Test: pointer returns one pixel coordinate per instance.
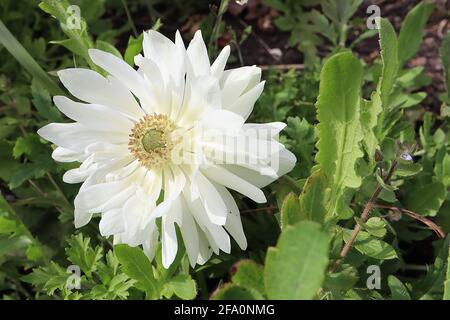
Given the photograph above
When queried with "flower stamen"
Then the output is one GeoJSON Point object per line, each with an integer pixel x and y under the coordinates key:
{"type": "Point", "coordinates": [151, 140]}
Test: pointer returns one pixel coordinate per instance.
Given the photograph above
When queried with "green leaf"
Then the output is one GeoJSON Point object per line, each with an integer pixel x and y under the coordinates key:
{"type": "Point", "coordinates": [371, 246]}
{"type": "Point", "coordinates": [295, 269]}
{"type": "Point", "coordinates": [370, 111]}
{"type": "Point", "coordinates": [412, 31]}
{"type": "Point", "coordinates": [447, 280]}
{"type": "Point", "coordinates": [389, 57]}
{"type": "Point", "coordinates": [407, 169]}
{"type": "Point", "coordinates": [43, 102]}
{"type": "Point", "coordinates": [445, 57]}
{"type": "Point", "coordinates": [290, 211]}
{"type": "Point", "coordinates": [442, 167]}
{"type": "Point", "coordinates": [343, 280]}
{"type": "Point", "coordinates": [182, 286]}
{"type": "Point", "coordinates": [338, 112]}
{"type": "Point", "coordinates": [105, 46]}
{"type": "Point", "coordinates": [51, 278]}
{"type": "Point", "coordinates": [134, 48]}
{"type": "Point", "coordinates": [426, 199]}
{"type": "Point", "coordinates": [249, 274]}
{"type": "Point", "coordinates": [374, 226]}
{"type": "Point", "coordinates": [26, 60]}
{"type": "Point", "coordinates": [231, 291]}
{"type": "Point", "coordinates": [80, 253]}
{"type": "Point", "coordinates": [314, 197]}
{"type": "Point", "coordinates": [79, 40]}
{"type": "Point", "coordinates": [398, 289]}
{"type": "Point", "coordinates": [137, 266]}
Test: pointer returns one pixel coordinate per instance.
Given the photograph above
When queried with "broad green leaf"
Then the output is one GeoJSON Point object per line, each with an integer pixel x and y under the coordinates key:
{"type": "Point", "coordinates": [412, 31]}
{"type": "Point", "coordinates": [426, 199]}
{"type": "Point", "coordinates": [290, 211]}
{"type": "Point", "coordinates": [343, 280]}
{"type": "Point", "coordinates": [314, 197]}
{"type": "Point", "coordinates": [249, 274]}
{"type": "Point", "coordinates": [231, 291]}
{"type": "Point", "coordinates": [371, 246]}
{"type": "Point", "coordinates": [182, 286]}
{"type": "Point", "coordinates": [374, 226]}
{"type": "Point", "coordinates": [340, 133]}
{"type": "Point", "coordinates": [398, 289]}
{"type": "Point", "coordinates": [137, 266]}
{"type": "Point", "coordinates": [295, 268]}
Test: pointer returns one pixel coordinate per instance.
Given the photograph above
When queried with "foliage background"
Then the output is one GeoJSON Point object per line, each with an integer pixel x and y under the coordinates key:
{"type": "Point", "coordinates": [396, 106]}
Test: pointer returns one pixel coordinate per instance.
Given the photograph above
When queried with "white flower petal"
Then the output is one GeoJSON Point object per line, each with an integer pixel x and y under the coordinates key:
{"type": "Point", "coordinates": [123, 72]}
{"type": "Point", "coordinates": [111, 222]}
{"type": "Point", "coordinates": [198, 56]}
{"type": "Point", "coordinates": [168, 241]}
{"type": "Point", "coordinates": [234, 223]}
{"type": "Point", "coordinates": [90, 86]}
{"type": "Point", "coordinates": [151, 242]}
{"type": "Point", "coordinates": [236, 82]}
{"type": "Point", "coordinates": [219, 64]}
{"type": "Point", "coordinates": [212, 201]}
{"type": "Point", "coordinates": [77, 137]}
{"type": "Point", "coordinates": [224, 177]}
{"type": "Point", "coordinates": [66, 155]}
{"type": "Point", "coordinates": [245, 103]}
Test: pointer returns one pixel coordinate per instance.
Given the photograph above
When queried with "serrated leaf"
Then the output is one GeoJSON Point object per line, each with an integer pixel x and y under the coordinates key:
{"type": "Point", "coordinates": [340, 133]}
{"type": "Point", "coordinates": [295, 268]}
{"type": "Point", "coordinates": [412, 31]}
{"type": "Point", "coordinates": [81, 253]}
{"type": "Point", "coordinates": [137, 266]}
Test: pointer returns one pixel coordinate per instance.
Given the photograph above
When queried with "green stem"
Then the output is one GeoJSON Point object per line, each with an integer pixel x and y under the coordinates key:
{"type": "Point", "coordinates": [130, 20]}
{"type": "Point", "coordinates": [26, 60]}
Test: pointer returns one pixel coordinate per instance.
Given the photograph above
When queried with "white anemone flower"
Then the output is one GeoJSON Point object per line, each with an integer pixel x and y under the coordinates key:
{"type": "Point", "coordinates": [159, 144]}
